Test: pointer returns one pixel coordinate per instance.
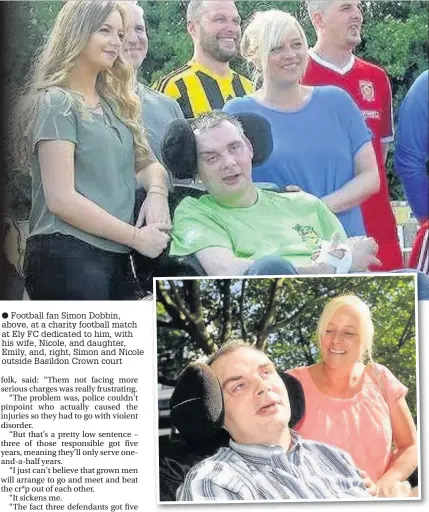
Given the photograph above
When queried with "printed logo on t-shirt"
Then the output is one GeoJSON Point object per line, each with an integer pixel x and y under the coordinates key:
{"type": "Point", "coordinates": [190, 237]}
{"type": "Point", "coordinates": [367, 90]}
{"type": "Point", "coordinates": [371, 114]}
{"type": "Point", "coordinates": [308, 235]}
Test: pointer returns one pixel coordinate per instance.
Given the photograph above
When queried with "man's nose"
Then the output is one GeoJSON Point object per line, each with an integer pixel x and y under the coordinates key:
{"type": "Point", "coordinates": [227, 160]}
{"type": "Point", "coordinates": [357, 14]}
{"type": "Point", "coordinates": [131, 37]}
{"type": "Point", "coordinates": [262, 386]}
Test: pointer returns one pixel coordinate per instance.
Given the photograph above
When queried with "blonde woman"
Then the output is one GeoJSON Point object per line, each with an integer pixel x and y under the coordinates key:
{"type": "Point", "coordinates": [87, 154]}
{"type": "Point", "coordinates": [359, 408]}
{"type": "Point", "coordinates": [321, 141]}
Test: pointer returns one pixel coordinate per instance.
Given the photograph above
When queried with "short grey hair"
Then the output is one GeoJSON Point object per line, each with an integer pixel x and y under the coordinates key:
{"type": "Point", "coordinates": [318, 6]}
{"type": "Point", "coordinates": [213, 119]}
{"type": "Point", "coordinates": [229, 347]}
{"type": "Point", "coordinates": [194, 10]}
{"type": "Point", "coordinates": [127, 3]}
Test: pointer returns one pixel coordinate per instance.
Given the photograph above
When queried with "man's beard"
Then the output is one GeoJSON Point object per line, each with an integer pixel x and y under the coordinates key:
{"type": "Point", "coordinates": [211, 45]}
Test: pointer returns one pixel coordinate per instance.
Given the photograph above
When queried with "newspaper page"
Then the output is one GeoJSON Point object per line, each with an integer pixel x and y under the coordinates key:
{"type": "Point", "coordinates": [77, 407]}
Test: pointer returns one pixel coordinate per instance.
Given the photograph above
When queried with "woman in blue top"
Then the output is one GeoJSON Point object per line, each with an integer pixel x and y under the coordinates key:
{"type": "Point", "coordinates": [83, 141]}
{"type": "Point", "coordinates": [321, 141]}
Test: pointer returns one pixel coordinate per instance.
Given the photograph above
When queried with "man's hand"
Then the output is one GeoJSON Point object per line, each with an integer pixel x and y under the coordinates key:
{"type": "Point", "coordinates": [364, 252]}
{"type": "Point", "coordinates": [151, 240]}
{"type": "Point", "coordinates": [395, 490]}
{"type": "Point", "coordinates": [154, 209]}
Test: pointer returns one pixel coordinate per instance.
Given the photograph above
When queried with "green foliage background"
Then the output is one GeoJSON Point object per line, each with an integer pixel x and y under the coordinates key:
{"type": "Point", "coordinates": [280, 316]}
{"type": "Point", "coordinates": [395, 36]}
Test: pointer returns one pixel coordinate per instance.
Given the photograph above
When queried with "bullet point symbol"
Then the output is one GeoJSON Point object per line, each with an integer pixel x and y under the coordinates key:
{"type": "Point", "coordinates": [5, 315]}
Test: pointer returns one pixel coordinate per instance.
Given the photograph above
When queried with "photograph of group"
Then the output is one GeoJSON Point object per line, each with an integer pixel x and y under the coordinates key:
{"type": "Point", "coordinates": [211, 138]}
{"type": "Point", "coordinates": [290, 388]}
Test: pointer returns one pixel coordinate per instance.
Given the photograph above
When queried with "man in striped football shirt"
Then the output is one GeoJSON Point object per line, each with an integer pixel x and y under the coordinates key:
{"type": "Point", "coordinates": [207, 82]}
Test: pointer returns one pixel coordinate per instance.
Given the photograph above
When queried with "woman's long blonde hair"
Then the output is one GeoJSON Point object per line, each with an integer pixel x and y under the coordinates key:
{"type": "Point", "coordinates": [265, 31]}
{"type": "Point", "coordinates": [75, 24]}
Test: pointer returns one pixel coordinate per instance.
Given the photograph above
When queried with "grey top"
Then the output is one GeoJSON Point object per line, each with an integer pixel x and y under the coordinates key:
{"type": "Point", "coordinates": [157, 111]}
{"type": "Point", "coordinates": [104, 163]}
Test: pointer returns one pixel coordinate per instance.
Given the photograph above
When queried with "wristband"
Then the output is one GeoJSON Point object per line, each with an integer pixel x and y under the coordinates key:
{"type": "Point", "coordinates": [341, 265]}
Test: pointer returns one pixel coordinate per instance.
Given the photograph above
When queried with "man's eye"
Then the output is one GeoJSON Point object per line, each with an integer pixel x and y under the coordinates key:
{"type": "Point", "coordinates": [239, 387]}
{"type": "Point", "coordinates": [235, 147]}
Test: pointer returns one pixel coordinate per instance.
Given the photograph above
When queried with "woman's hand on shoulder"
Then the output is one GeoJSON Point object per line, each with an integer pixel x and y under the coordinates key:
{"type": "Point", "coordinates": [155, 209]}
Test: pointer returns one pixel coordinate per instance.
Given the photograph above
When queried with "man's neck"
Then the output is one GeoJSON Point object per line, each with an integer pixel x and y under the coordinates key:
{"type": "Point", "coordinates": [243, 200]}
{"type": "Point", "coordinates": [283, 439]}
{"type": "Point", "coordinates": [216, 66]}
{"type": "Point", "coordinates": [340, 56]}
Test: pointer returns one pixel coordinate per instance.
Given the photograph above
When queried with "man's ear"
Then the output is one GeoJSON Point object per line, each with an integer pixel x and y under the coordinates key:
{"type": "Point", "coordinates": [191, 26]}
{"type": "Point", "coordinates": [249, 145]}
{"type": "Point", "coordinates": [317, 20]}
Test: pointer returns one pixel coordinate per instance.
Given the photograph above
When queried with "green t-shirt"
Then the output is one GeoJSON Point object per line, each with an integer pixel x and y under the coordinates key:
{"type": "Point", "coordinates": [289, 225]}
{"type": "Point", "coordinates": [103, 158]}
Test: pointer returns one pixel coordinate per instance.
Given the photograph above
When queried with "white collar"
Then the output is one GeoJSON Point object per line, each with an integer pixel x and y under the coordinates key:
{"type": "Point", "coordinates": [333, 67]}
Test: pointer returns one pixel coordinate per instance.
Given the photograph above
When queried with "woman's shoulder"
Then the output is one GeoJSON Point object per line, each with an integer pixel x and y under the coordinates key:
{"type": "Point", "coordinates": [332, 93]}
{"type": "Point", "coordinates": [237, 104]}
{"type": "Point", "coordinates": [301, 373]}
{"type": "Point", "coordinates": [57, 98]}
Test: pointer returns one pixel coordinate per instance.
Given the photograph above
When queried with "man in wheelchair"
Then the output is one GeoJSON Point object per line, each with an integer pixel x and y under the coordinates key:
{"type": "Point", "coordinates": [240, 391]}
{"type": "Point", "coordinates": [239, 229]}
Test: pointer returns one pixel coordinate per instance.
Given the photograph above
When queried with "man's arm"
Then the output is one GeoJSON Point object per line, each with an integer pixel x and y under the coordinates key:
{"type": "Point", "coordinates": [219, 261]}
{"type": "Point", "coordinates": [412, 147]}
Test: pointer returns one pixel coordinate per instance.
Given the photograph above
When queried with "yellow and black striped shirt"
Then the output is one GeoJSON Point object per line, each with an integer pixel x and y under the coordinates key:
{"type": "Point", "coordinates": [198, 90]}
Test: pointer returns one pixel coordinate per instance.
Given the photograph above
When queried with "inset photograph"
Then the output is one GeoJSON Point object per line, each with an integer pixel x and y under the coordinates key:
{"type": "Point", "coordinates": [293, 388]}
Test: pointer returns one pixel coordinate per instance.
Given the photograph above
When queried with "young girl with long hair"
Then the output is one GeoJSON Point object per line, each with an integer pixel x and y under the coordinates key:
{"type": "Point", "coordinates": [81, 135]}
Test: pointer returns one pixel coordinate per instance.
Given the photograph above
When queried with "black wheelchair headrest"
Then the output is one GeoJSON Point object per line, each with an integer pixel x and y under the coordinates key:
{"type": "Point", "coordinates": [197, 408]}
{"type": "Point", "coordinates": [179, 150]}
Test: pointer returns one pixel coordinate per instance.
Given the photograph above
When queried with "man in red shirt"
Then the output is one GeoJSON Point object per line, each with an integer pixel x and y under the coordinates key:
{"type": "Point", "coordinates": [332, 62]}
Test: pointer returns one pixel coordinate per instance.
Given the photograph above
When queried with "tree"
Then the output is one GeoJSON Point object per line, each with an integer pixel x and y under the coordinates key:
{"type": "Point", "coordinates": [279, 315]}
{"type": "Point", "coordinates": [394, 36]}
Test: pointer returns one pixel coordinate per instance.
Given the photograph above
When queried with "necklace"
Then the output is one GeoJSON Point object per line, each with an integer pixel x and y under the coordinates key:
{"type": "Point", "coordinates": [95, 106]}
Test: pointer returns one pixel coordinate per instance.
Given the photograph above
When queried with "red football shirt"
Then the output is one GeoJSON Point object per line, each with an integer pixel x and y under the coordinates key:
{"type": "Point", "coordinates": [369, 86]}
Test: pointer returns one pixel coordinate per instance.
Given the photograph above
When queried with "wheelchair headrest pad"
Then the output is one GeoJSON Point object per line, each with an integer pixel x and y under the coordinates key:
{"type": "Point", "coordinates": [178, 145]}
{"type": "Point", "coordinates": [197, 407]}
